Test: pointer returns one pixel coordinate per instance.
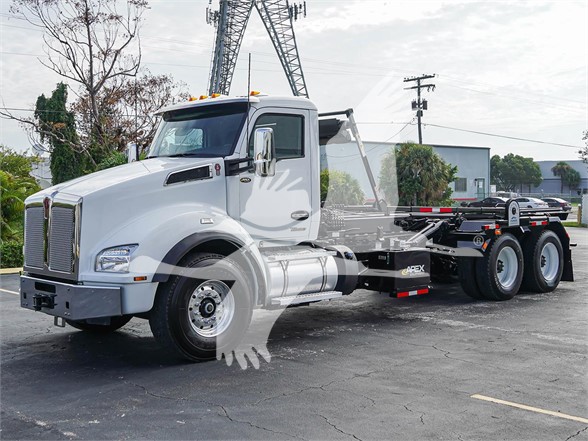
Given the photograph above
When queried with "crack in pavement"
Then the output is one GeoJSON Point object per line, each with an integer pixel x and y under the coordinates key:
{"type": "Point", "coordinates": [577, 433]}
{"type": "Point", "coordinates": [225, 413]}
{"type": "Point", "coordinates": [447, 354]}
{"type": "Point", "coordinates": [167, 397]}
{"type": "Point", "coordinates": [249, 423]}
{"type": "Point", "coordinates": [323, 386]}
{"type": "Point", "coordinates": [411, 411]}
{"type": "Point", "coordinates": [337, 428]}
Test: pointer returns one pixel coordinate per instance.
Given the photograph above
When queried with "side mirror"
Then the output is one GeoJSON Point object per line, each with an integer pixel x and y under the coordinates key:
{"type": "Point", "coordinates": [264, 152]}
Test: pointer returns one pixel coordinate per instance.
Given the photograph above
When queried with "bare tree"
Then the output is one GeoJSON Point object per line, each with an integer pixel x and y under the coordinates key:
{"type": "Point", "coordinates": [127, 108]}
{"type": "Point", "coordinates": [90, 42]}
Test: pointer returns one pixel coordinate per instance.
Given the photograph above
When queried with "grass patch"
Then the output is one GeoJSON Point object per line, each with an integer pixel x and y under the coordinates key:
{"type": "Point", "coordinates": [573, 224]}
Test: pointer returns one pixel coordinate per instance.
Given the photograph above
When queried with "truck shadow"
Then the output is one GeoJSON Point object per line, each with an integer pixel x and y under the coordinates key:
{"type": "Point", "coordinates": [321, 325]}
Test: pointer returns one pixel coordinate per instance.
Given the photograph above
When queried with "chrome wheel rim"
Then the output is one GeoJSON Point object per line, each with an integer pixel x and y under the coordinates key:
{"type": "Point", "coordinates": [507, 267]}
{"type": "Point", "coordinates": [211, 308]}
{"type": "Point", "coordinates": [549, 262]}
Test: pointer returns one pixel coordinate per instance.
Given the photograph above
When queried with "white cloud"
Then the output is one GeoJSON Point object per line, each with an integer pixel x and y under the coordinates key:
{"type": "Point", "coordinates": [513, 68]}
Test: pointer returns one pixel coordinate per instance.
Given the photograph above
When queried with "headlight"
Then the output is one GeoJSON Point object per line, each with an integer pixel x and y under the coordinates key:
{"type": "Point", "coordinates": [116, 259]}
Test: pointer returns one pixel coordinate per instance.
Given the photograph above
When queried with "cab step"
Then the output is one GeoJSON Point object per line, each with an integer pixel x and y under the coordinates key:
{"type": "Point", "coordinates": [306, 298]}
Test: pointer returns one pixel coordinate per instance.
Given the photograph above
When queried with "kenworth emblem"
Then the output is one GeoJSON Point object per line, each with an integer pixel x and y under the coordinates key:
{"type": "Point", "coordinates": [46, 207]}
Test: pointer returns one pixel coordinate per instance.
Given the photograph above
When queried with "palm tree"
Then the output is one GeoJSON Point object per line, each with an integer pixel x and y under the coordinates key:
{"type": "Point", "coordinates": [561, 169]}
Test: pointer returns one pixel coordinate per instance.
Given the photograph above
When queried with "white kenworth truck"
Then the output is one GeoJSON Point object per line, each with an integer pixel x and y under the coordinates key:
{"type": "Point", "coordinates": [225, 216]}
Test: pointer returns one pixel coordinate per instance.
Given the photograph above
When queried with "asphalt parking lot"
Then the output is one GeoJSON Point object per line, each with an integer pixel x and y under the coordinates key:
{"type": "Point", "coordinates": [366, 367]}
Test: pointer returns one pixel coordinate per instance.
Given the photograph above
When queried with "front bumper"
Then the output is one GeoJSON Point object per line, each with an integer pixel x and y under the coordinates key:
{"type": "Point", "coordinates": [73, 302]}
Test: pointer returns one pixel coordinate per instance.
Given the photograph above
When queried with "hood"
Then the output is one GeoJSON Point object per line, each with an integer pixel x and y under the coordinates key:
{"type": "Point", "coordinates": [115, 176]}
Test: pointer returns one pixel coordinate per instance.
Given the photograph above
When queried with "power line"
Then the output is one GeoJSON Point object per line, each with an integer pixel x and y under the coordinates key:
{"type": "Point", "coordinates": [19, 109]}
{"type": "Point", "coordinates": [371, 68]}
{"type": "Point", "coordinates": [503, 136]}
{"type": "Point", "coordinates": [510, 97]}
{"type": "Point", "coordinates": [381, 143]}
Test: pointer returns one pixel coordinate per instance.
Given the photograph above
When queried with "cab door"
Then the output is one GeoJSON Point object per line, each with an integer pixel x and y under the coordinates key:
{"type": "Point", "coordinates": [278, 208]}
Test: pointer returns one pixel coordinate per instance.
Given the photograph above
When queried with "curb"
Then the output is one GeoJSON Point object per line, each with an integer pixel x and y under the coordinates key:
{"type": "Point", "coordinates": [10, 271]}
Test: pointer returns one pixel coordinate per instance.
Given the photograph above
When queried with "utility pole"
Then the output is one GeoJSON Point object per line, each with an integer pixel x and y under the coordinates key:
{"type": "Point", "coordinates": [420, 105]}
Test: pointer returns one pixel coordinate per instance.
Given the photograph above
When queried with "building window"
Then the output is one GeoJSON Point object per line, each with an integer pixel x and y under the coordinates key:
{"type": "Point", "coordinates": [461, 185]}
{"type": "Point", "coordinates": [288, 134]}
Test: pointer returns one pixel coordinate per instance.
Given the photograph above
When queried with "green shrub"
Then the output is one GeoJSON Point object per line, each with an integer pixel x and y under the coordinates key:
{"type": "Point", "coordinates": [11, 254]}
{"type": "Point", "coordinates": [112, 160]}
{"type": "Point", "coordinates": [339, 187]}
{"type": "Point", "coordinates": [16, 184]}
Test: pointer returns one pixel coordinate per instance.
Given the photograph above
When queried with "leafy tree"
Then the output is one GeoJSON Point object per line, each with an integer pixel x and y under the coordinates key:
{"type": "Point", "coordinates": [420, 175]}
{"type": "Point", "coordinates": [56, 126]}
{"type": "Point", "coordinates": [496, 177]}
{"type": "Point", "coordinates": [567, 174]}
{"type": "Point", "coordinates": [532, 174]}
{"type": "Point", "coordinates": [572, 179]}
{"type": "Point", "coordinates": [16, 185]}
{"type": "Point", "coordinates": [338, 187]}
{"type": "Point", "coordinates": [513, 172]}
{"type": "Point", "coordinates": [561, 169]}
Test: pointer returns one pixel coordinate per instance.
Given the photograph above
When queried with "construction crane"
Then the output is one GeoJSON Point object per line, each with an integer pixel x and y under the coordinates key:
{"type": "Point", "coordinates": [230, 21]}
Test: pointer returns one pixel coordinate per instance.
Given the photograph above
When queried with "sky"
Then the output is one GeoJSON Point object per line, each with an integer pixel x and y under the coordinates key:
{"type": "Point", "coordinates": [509, 68]}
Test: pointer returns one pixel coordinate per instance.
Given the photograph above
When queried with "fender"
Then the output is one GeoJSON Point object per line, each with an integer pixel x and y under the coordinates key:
{"type": "Point", "coordinates": [186, 245]}
{"type": "Point", "coordinates": [562, 234]}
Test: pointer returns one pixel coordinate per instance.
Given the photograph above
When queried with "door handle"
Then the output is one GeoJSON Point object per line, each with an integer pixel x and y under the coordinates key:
{"type": "Point", "coordinates": [300, 215]}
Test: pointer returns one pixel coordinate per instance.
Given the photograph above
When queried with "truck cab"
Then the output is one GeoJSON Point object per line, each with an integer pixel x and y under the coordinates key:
{"type": "Point", "coordinates": [99, 248]}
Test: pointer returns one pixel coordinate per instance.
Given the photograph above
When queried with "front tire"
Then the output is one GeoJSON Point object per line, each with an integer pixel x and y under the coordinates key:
{"type": "Point", "coordinates": [543, 263]}
{"type": "Point", "coordinates": [204, 310]}
{"type": "Point", "coordinates": [500, 271]}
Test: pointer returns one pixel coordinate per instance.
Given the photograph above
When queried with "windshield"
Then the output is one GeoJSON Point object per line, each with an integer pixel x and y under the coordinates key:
{"type": "Point", "coordinates": [210, 131]}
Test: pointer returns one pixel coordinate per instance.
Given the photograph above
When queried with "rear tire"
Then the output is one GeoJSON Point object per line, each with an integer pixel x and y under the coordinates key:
{"type": "Point", "coordinates": [467, 277]}
{"type": "Point", "coordinates": [115, 323]}
{"type": "Point", "coordinates": [203, 311]}
{"type": "Point", "coordinates": [500, 271]}
{"type": "Point", "coordinates": [544, 263]}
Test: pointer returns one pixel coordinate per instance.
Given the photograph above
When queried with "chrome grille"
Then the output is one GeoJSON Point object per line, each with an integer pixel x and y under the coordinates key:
{"type": "Point", "coordinates": [35, 237]}
{"type": "Point", "coordinates": [61, 239]}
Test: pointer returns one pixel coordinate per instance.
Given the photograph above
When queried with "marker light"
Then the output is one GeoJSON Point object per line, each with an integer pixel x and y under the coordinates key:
{"type": "Point", "coordinates": [255, 93]}
{"type": "Point", "coordinates": [192, 98]}
{"type": "Point", "coordinates": [203, 97]}
{"type": "Point", "coordinates": [215, 95]}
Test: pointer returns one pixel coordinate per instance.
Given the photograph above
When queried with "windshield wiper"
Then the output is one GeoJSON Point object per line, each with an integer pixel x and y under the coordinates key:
{"type": "Point", "coordinates": [182, 155]}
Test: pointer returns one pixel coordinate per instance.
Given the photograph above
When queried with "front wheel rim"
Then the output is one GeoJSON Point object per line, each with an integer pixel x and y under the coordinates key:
{"type": "Point", "coordinates": [507, 268]}
{"type": "Point", "coordinates": [211, 307]}
{"type": "Point", "coordinates": [549, 262]}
